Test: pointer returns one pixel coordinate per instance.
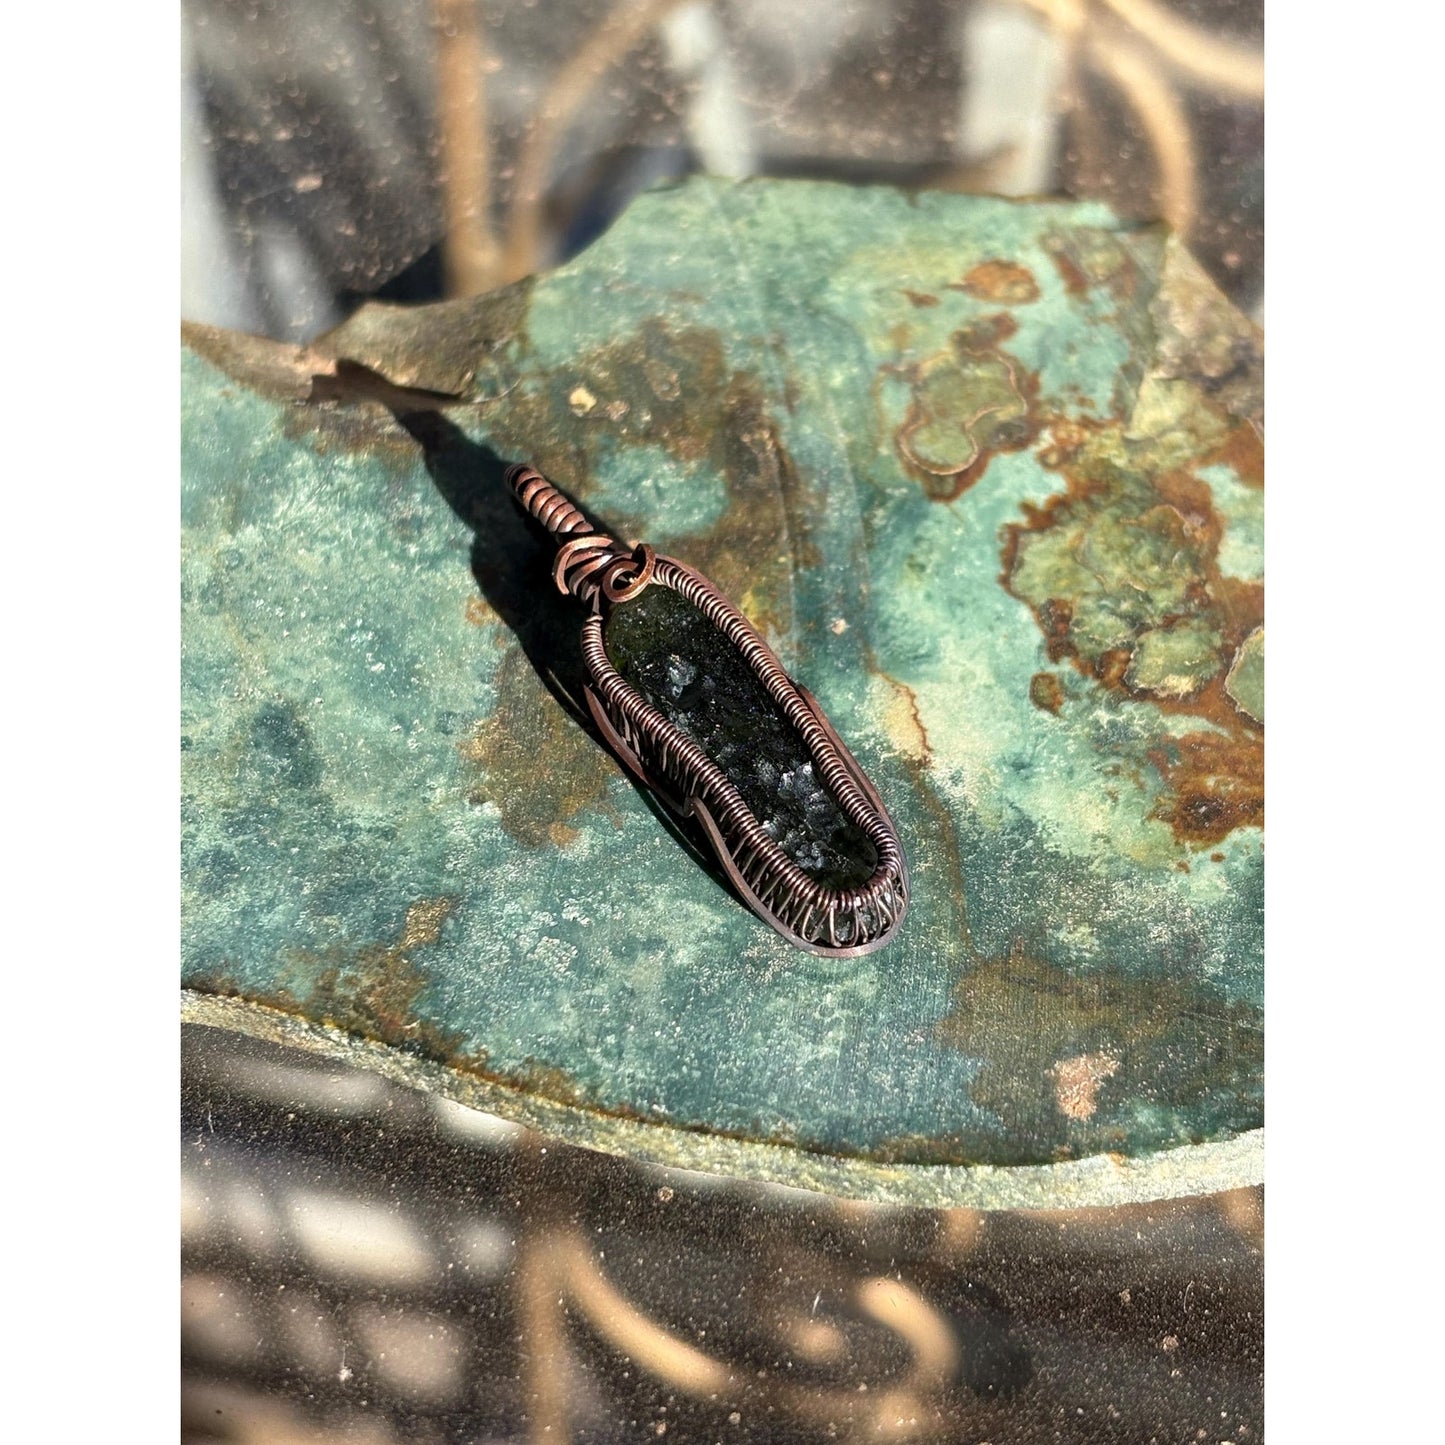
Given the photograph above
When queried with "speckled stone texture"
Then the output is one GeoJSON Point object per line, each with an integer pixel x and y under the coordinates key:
{"type": "Point", "coordinates": [985, 475]}
{"type": "Point", "coordinates": [697, 680]}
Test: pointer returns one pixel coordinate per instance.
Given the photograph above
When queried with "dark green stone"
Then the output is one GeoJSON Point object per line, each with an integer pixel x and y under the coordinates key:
{"type": "Point", "coordinates": [669, 651]}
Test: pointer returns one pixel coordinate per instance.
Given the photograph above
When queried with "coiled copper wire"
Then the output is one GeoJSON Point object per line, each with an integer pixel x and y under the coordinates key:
{"type": "Point", "coordinates": [600, 573]}
{"type": "Point", "coordinates": [835, 919]}
{"type": "Point", "coordinates": [586, 561]}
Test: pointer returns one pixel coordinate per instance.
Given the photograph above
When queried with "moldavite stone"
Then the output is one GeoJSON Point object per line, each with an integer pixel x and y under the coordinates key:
{"type": "Point", "coordinates": [695, 678]}
{"type": "Point", "coordinates": [986, 476]}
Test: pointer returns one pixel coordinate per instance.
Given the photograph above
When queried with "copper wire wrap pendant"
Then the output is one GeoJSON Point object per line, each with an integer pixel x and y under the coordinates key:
{"type": "Point", "coordinates": [603, 575]}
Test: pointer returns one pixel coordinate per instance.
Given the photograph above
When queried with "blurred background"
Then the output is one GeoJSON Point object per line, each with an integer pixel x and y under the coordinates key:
{"type": "Point", "coordinates": [413, 149]}
{"type": "Point", "coordinates": [363, 1263]}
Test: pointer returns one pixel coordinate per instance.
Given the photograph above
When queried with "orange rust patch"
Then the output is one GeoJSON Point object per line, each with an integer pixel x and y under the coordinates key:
{"type": "Point", "coordinates": [1216, 784]}
{"type": "Point", "coordinates": [1054, 617]}
{"type": "Point", "coordinates": [988, 333]}
{"type": "Point", "coordinates": [1242, 449]}
{"type": "Point", "coordinates": [970, 403]}
{"type": "Point", "coordinates": [1002, 281]}
{"type": "Point", "coordinates": [479, 611]}
{"type": "Point", "coordinates": [944, 845]}
{"type": "Point", "coordinates": [1212, 782]}
{"type": "Point", "coordinates": [1046, 692]}
{"type": "Point", "coordinates": [1086, 258]}
{"type": "Point", "coordinates": [424, 922]}
{"type": "Point", "coordinates": [1076, 283]}
{"type": "Point", "coordinates": [372, 989]}
{"type": "Point", "coordinates": [675, 389]}
{"type": "Point", "coordinates": [1113, 666]}
{"type": "Point", "coordinates": [904, 723]}
{"type": "Point", "coordinates": [1066, 438]}
{"type": "Point", "coordinates": [1054, 1032]}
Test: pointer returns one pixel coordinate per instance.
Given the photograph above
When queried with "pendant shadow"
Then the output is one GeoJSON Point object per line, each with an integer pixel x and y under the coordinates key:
{"type": "Point", "coordinates": [511, 562]}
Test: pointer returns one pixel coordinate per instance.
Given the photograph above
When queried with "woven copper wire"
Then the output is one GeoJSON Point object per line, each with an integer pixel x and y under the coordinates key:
{"type": "Point", "coordinates": [837, 920]}
{"type": "Point", "coordinates": [600, 572]}
{"type": "Point", "coordinates": [616, 590]}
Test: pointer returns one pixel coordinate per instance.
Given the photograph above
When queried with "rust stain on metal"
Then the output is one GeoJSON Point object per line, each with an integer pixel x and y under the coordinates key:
{"type": "Point", "coordinates": [942, 846]}
{"type": "Point", "coordinates": [1076, 283]}
{"type": "Point", "coordinates": [424, 922]}
{"type": "Point", "coordinates": [1004, 282]}
{"type": "Point", "coordinates": [767, 499]}
{"type": "Point", "coordinates": [904, 723]}
{"type": "Point", "coordinates": [1036, 1013]}
{"type": "Point", "coordinates": [1215, 785]}
{"type": "Point", "coordinates": [1243, 450]}
{"type": "Point", "coordinates": [479, 611]}
{"type": "Point", "coordinates": [1121, 572]}
{"type": "Point", "coordinates": [673, 389]}
{"type": "Point", "coordinates": [372, 989]}
{"type": "Point", "coordinates": [1086, 259]}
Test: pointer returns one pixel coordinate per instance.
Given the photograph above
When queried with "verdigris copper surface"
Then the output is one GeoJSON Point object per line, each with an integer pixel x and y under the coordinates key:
{"type": "Point", "coordinates": [987, 478]}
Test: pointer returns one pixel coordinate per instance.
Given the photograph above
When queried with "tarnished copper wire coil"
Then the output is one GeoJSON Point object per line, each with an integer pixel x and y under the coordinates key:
{"type": "Point", "coordinates": [848, 920]}
{"type": "Point", "coordinates": [578, 561]}
{"type": "Point", "coordinates": [551, 506]}
{"type": "Point", "coordinates": [601, 573]}
{"type": "Point", "coordinates": [617, 591]}
{"type": "Point", "coordinates": [587, 561]}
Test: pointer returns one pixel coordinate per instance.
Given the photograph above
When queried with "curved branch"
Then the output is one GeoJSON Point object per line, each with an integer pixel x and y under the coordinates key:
{"type": "Point", "coordinates": [900, 1308]}
{"type": "Point", "coordinates": [469, 246]}
{"type": "Point", "coordinates": [896, 1306]}
{"type": "Point", "coordinates": [625, 1326]}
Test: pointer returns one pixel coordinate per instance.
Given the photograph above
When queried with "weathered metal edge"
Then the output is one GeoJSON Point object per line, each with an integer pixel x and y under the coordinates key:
{"type": "Point", "coordinates": [1098, 1181]}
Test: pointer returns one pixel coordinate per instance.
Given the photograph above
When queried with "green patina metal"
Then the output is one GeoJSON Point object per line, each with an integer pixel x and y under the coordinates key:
{"type": "Point", "coordinates": [986, 475]}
